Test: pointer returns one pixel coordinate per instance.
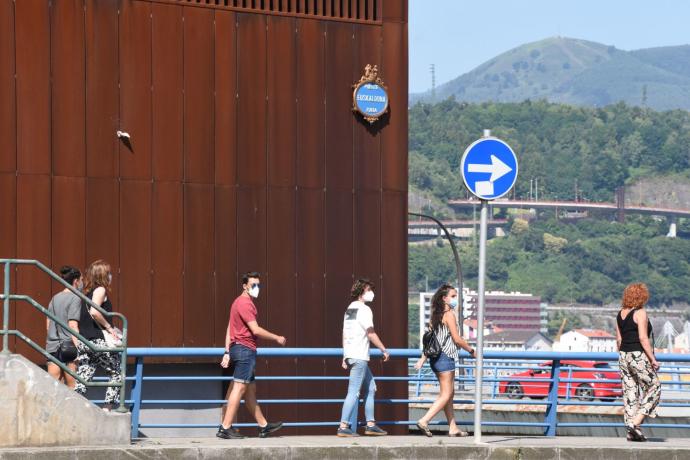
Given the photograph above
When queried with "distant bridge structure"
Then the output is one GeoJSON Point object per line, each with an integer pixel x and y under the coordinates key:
{"type": "Point", "coordinates": [618, 207]}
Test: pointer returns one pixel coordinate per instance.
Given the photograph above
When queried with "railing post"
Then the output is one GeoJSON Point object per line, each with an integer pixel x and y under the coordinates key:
{"type": "Point", "coordinates": [136, 395]}
{"type": "Point", "coordinates": [419, 382]}
{"type": "Point", "coordinates": [494, 387]}
{"type": "Point", "coordinates": [551, 417]}
{"type": "Point", "coordinates": [567, 385]}
{"type": "Point", "coordinates": [6, 311]}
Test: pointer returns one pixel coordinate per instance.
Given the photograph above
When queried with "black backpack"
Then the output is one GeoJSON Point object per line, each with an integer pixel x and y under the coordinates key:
{"type": "Point", "coordinates": [430, 346]}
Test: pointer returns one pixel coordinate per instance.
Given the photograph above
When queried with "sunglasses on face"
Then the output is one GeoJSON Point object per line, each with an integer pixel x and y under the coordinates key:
{"type": "Point", "coordinates": [253, 285]}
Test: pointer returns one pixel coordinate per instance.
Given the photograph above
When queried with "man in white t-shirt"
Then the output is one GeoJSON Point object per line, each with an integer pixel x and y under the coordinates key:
{"type": "Point", "coordinates": [358, 331]}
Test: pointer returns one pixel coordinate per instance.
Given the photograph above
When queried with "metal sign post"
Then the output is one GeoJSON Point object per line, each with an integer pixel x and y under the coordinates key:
{"type": "Point", "coordinates": [479, 350]}
{"type": "Point", "coordinates": [489, 170]}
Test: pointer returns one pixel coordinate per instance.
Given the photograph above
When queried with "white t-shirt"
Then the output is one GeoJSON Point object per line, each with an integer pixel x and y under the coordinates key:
{"type": "Point", "coordinates": [358, 318]}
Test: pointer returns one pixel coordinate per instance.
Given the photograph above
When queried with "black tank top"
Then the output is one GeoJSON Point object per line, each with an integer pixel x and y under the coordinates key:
{"type": "Point", "coordinates": [87, 325]}
{"type": "Point", "coordinates": [630, 338]}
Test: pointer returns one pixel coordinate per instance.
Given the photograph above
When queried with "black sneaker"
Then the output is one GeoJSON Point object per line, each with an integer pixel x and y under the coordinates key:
{"type": "Point", "coordinates": [345, 433]}
{"type": "Point", "coordinates": [269, 428]}
{"type": "Point", "coordinates": [374, 430]}
{"type": "Point", "coordinates": [228, 433]}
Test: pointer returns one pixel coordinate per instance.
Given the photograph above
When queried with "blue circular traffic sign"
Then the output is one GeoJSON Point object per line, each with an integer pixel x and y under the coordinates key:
{"type": "Point", "coordinates": [371, 99]}
{"type": "Point", "coordinates": [489, 168]}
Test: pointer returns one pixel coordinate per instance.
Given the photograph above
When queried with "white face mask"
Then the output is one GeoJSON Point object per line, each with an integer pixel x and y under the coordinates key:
{"type": "Point", "coordinates": [110, 278]}
{"type": "Point", "coordinates": [368, 296]}
{"type": "Point", "coordinates": [254, 292]}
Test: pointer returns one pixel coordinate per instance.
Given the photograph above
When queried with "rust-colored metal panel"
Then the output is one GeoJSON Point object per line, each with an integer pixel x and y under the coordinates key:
{"type": "Point", "coordinates": [251, 234]}
{"type": "Point", "coordinates": [366, 136]}
{"type": "Point", "coordinates": [394, 267]}
{"type": "Point", "coordinates": [393, 292]}
{"type": "Point", "coordinates": [8, 107]}
{"type": "Point", "coordinates": [32, 28]}
{"type": "Point", "coordinates": [339, 261]}
{"type": "Point", "coordinates": [167, 97]}
{"type": "Point", "coordinates": [367, 235]}
{"type": "Point", "coordinates": [198, 265]}
{"type": "Point", "coordinates": [311, 287]}
{"type": "Point", "coordinates": [226, 98]}
{"type": "Point", "coordinates": [102, 94]}
{"type": "Point", "coordinates": [33, 242]}
{"type": "Point", "coordinates": [135, 89]}
{"type": "Point", "coordinates": [394, 11]}
{"type": "Point", "coordinates": [135, 259]}
{"type": "Point", "coordinates": [198, 95]}
{"type": "Point", "coordinates": [280, 289]}
{"type": "Point", "coordinates": [311, 94]}
{"type": "Point", "coordinates": [282, 108]}
{"type": "Point", "coordinates": [68, 226]}
{"type": "Point", "coordinates": [103, 227]}
{"type": "Point", "coordinates": [339, 117]}
{"type": "Point", "coordinates": [8, 232]}
{"type": "Point", "coordinates": [68, 104]}
{"type": "Point", "coordinates": [281, 263]}
{"type": "Point", "coordinates": [167, 260]}
{"type": "Point", "coordinates": [251, 109]}
{"type": "Point", "coordinates": [225, 251]}
{"type": "Point", "coordinates": [394, 135]}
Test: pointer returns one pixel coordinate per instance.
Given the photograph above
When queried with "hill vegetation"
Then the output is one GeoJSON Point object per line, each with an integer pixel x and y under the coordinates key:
{"type": "Point", "coordinates": [589, 261]}
{"type": "Point", "coordinates": [578, 72]}
{"type": "Point", "coordinates": [567, 148]}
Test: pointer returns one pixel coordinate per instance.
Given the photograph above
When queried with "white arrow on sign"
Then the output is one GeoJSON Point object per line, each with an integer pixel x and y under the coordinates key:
{"type": "Point", "coordinates": [497, 168]}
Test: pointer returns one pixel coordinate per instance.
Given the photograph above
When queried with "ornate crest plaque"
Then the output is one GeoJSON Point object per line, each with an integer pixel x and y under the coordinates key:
{"type": "Point", "coordinates": [370, 95]}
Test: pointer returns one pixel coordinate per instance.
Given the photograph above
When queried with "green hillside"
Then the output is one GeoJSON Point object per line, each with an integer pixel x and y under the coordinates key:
{"type": "Point", "coordinates": [593, 150]}
{"type": "Point", "coordinates": [577, 72]}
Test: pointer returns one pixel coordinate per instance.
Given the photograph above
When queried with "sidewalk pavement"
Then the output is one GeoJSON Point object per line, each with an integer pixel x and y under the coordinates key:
{"type": "Point", "coordinates": [407, 447]}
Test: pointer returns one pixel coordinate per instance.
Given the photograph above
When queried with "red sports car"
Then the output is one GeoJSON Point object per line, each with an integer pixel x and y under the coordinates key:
{"type": "Point", "coordinates": [533, 383]}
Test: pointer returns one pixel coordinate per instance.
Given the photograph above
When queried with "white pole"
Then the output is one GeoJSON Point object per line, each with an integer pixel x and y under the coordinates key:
{"type": "Point", "coordinates": [479, 353]}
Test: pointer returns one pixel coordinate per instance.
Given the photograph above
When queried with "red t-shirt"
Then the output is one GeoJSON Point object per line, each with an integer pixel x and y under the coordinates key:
{"type": "Point", "coordinates": [242, 312]}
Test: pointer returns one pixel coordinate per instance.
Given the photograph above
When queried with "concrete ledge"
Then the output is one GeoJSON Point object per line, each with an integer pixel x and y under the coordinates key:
{"type": "Point", "coordinates": [408, 447]}
{"type": "Point", "coordinates": [37, 410]}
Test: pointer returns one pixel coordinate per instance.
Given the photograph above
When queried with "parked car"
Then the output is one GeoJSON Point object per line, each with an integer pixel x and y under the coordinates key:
{"type": "Point", "coordinates": [533, 383]}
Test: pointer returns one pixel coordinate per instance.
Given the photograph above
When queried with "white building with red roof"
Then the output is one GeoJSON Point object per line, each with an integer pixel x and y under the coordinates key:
{"type": "Point", "coordinates": [586, 340]}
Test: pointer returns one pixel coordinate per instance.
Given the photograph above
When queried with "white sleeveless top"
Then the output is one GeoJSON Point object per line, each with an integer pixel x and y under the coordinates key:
{"type": "Point", "coordinates": [444, 338]}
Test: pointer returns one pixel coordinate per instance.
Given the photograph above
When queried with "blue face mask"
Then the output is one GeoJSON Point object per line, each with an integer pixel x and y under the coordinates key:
{"type": "Point", "coordinates": [453, 302]}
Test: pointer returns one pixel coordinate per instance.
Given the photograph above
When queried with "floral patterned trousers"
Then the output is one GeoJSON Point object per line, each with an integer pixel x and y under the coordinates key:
{"type": "Point", "coordinates": [89, 360]}
{"type": "Point", "coordinates": [641, 387]}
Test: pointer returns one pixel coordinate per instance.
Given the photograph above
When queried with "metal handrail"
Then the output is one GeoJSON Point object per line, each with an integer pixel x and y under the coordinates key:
{"type": "Point", "coordinates": [551, 402]}
{"type": "Point", "coordinates": [7, 296]}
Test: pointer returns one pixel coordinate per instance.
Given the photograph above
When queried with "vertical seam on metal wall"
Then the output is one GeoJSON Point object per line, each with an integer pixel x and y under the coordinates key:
{"type": "Point", "coordinates": [213, 185]}
{"type": "Point", "coordinates": [325, 185]}
{"type": "Point", "coordinates": [86, 144]}
{"type": "Point", "coordinates": [353, 197]}
{"type": "Point", "coordinates": [50, 144]}
{"type": "Point", "coordinates": [184, 173]}
{"type": "Point", "coordinates": [119, 171]}
{"type": "Point", "coordinates": [236, 18]}
{"type": "Point", "coordinates": [295, 106]}
{"type": "Point", "coordinates": [267, 187]}
{"type": "Point", "coordinates": [152, 184]}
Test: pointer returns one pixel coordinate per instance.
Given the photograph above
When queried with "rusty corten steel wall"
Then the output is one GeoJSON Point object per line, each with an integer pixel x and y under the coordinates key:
{"type": "Point", "coordinates": [245, 156]}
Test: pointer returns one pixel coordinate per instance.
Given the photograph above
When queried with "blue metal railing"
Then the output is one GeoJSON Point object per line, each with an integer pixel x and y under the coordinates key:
{"type": "Point", "coordinates": [518, 361]}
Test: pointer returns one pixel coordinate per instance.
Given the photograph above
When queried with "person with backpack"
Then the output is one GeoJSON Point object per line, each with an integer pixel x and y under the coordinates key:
{"type": "Point", "coordinates": [441, 343]}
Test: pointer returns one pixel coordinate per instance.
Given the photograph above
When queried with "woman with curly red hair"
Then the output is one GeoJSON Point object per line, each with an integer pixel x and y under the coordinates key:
{"type": "Point", "coordinates": [638, 366]}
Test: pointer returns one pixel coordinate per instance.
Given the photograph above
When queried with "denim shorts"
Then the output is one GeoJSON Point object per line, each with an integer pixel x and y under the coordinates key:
{"type": "Point", "coordinates": [243, 360]}
{"type": "Point", "coordinates": [443, 363]}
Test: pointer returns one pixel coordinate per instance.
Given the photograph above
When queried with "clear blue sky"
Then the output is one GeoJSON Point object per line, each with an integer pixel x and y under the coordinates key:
{"type": "Point", "coordinates": [458, 35]}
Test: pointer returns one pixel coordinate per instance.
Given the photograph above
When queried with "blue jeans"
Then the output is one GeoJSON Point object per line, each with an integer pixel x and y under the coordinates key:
{"type": "Point", "coordinates": [360, 377]}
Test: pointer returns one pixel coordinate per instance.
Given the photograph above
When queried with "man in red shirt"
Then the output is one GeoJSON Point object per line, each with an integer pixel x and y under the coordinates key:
{"type": "Point", "coordinates": [240, 348]}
